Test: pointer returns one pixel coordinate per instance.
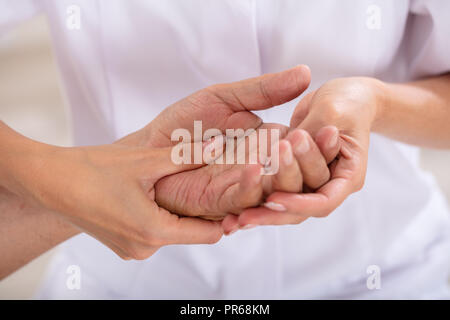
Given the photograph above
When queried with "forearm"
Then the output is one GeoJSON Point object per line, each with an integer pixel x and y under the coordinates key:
{"type": "Point", "coordinates": [417, 113]}
{"type": "Point", "coordinates": [27, 232]}
{"type": "Point", "coordinates": [19, 161]}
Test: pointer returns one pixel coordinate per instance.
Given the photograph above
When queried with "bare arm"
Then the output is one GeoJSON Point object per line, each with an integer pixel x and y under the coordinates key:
{"type": "Point", "coordinates": [417, 113]}
{"type": "Point", "coordinates": [27, 232]}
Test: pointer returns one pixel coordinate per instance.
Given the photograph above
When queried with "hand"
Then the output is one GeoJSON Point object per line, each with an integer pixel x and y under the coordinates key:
{"type": "Point", "coordinates": [109, 191]}
{"type": "Point", "coordinates": [213, 191]}
{"type": "Point", "coordinates": [106, 191]}
{"type": "Point", "coordinates": [350, 106]}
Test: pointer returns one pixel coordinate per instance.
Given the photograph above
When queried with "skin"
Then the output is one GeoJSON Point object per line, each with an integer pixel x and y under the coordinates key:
{"type": "Point", "coordinates": [81, 184]}
{"type": "Point", "coordinates": [416, 113]}
{"type": "Point", "coordinates": [43, 230]}
{"type": "Point", "coordinates": [114, 192]}
{"type": "Point", "coordinates": [213, 191]}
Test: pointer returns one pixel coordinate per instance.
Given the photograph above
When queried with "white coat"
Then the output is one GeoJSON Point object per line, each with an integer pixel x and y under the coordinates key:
{"type": "Point", "coordinates": [123, 61]}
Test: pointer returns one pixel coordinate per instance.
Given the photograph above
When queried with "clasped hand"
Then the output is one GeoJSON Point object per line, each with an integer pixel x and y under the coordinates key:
{"type": "Point", "coordinates": [134, 199]}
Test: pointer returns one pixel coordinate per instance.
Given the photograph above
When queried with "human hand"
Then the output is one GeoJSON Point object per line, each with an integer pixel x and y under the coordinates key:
{"type": "Point", "coordinates": [339, 115]}
{"type": "Point", "coordinates": [106, 191]}
{"type": "Point", "coordinates": [217, 189]}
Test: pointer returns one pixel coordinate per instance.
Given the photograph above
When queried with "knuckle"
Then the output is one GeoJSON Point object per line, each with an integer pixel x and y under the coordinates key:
{"type": "Point", "coordinates": [265, 93]}
{"type": "Point", "coordinates": [205, 96]}
{"type": "Point", "coordinates": [213, 93]}
{"type": "Point", "coordinates": [334, 111]}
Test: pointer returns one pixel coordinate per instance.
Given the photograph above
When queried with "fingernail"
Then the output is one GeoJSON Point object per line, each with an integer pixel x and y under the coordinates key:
{"type": "Point", "coordinates": [288, 158]}
{"type": "Point", "coordinates": [303, 145]}
{"type": "Point", "coordinates": [248, 226]}
{"type": "Point", "coordinates": [333, 140]}
{"type": "Point", "coordinates": [275, 206]}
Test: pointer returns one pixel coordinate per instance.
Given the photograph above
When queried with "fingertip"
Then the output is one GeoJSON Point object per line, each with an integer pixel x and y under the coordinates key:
{"type": "Point", "coordinates": [286, 153]}
{"type": "Point", "coordinates": [302, 77]}
{"type": "Point", "coordinates": [305, 73]}
{"type": "Point", "coordinates": [230, 224]}
{"type": "Point", "coordinates": [300, 140]}
{"type": "Point", "coordinates": [327, 139]}
{"type": "Point", "coordinates": [251, 188]}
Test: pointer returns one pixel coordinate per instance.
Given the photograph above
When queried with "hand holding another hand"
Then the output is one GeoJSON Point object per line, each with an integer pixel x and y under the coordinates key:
{"type": "Point", "coordinates": [132, 197]}
{"type": "Point", "coordinates": [339, 116]}
{"type": "Point", "coordinates": [113, 192]}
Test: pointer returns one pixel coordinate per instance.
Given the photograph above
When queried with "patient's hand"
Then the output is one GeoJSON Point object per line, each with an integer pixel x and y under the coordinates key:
{"type": "Point", "coordinates": [218, 189]}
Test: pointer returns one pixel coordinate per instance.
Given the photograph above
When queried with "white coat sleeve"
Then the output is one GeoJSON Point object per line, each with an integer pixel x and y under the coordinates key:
{"type": "Point", "coordinates": [428, 38]}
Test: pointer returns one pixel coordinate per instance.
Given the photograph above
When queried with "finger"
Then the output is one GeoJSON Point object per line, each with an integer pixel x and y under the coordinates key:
{"type": "Point", "coordinates": [266, 216]}
{"type": "Point", "coordinates": [311, 161]}
{"type": "Point", "coordinates": [265, 91]}
{"type": "Point", "coordinates": [247, 193]}
{"type": "Point", "coordinates": [174, 229]}
{"type": "Point", "coordinates": [288, 178]}
{"type": "Point", "coordinates": [230, 224]}
{"type": "Point", "coordinates": [347, 178]}
{"type": "Point", "coordinates": [184, 156]}
{"type": "Point", "coordinates": [295, 208]}
{"type": "Point", "coordinates": [327, 139]}
{"type": "Point", "coordinates": [318, 204]}
{"type": "Point", "coordinates": [301, 110]}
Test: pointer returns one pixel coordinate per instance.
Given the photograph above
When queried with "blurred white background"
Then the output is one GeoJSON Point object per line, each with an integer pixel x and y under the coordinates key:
{"type": "Point", "coordinates": [31, 103]}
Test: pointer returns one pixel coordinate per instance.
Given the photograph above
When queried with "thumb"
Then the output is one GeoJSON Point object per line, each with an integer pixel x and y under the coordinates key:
{"type": "Point", "coordinates": [265, 91]}
{"type": "Point", "coordinates": [301, 110]}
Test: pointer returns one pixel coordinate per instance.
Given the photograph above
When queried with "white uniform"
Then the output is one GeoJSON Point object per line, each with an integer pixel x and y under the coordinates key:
{"type": "Point", "coordinates": [131, 59]}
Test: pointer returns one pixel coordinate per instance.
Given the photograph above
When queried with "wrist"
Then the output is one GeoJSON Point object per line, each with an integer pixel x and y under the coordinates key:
{"type": "Point", "coordinates": [20, 162]}
{"type": "Point", "coordinates": [380, 92]}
